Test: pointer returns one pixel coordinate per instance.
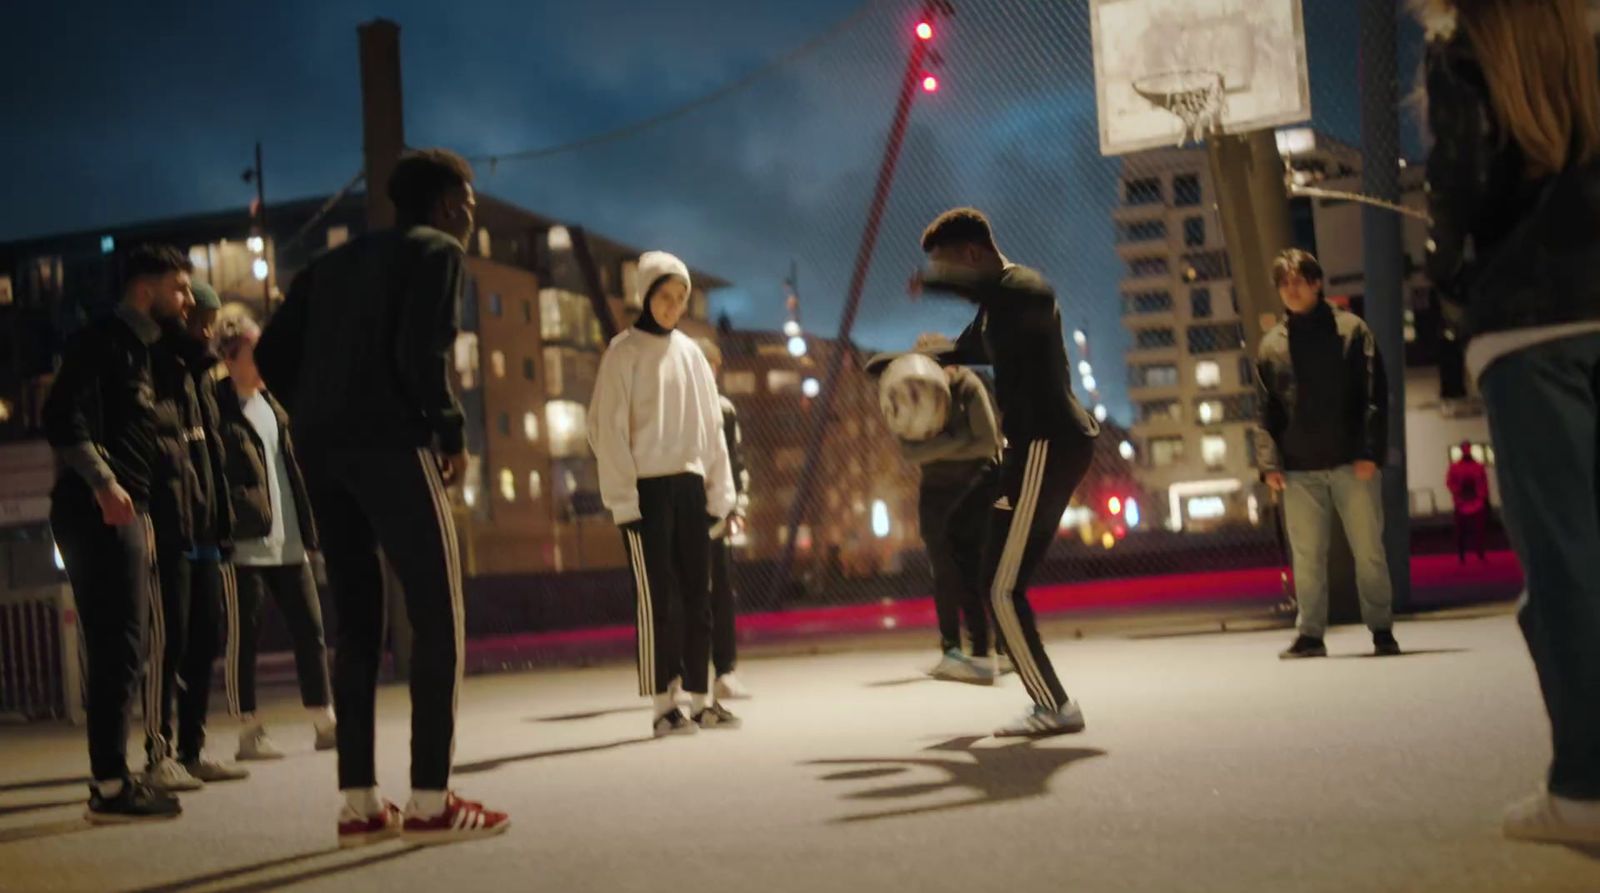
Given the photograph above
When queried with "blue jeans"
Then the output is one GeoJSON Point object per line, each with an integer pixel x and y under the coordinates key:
{"type": "Point", "coordinates": [1310, 502]}
{"type": "Point", "coordinates": [1544, 415]}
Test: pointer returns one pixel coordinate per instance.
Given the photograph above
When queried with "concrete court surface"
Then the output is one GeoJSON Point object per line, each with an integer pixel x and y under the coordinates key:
{"type": "Point", "coordinates": [1207, 765]}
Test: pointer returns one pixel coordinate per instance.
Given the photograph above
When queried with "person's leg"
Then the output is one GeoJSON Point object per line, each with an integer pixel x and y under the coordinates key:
{"type": "Point", "coordinates": [934, 504]}
{"type": "Point", "coordinates": [691, 557]}
{"type": "Point", "coordinates": [172, 607]}
{"type": "Point", "coordinates": [295, 591]}
{"type": "Point", "coordinates": [109, 570]}
{"type": "Point", "coordinates": [1360, 507]}
{"type": "Point", "coordinates": [1480, 530]}
{"type": "Point", "coordinates": [966, 524]}
{"type": "Point", "coordinates": [200, 654]}
{"type": "Point", "coordinates": [1308, 520]}
{"type": "Point", "coordinates": [1545, 421]}
{"type": "Point", "coordinates": [1462, 520]}
{"type": "Point", "coordinates": [1037, 485]}
{"type": "Point", "coordinates": [724, 638]}
{"type": "Point", "coordinates": [350, 551]}
{"type": "Point", "coordinates": [654, 570]}
{"type": "Point", "coordinates": [244, 592]}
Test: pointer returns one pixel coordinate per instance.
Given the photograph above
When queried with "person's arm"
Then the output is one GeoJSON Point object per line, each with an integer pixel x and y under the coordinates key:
{"type": "Point", "coordinates": [1367, 367]}
{"type": "Point", "coordinates": [1269, 412]}
{"type": "Point", "coordinates": [282, 343]}
{"type": "Point", "coordinates": [1459, 161]}
{"type": "Point", "coordinates": [720, 494]}
{"type": "Point", "coordinates": [426, 337]}
{"type": "Point", "coordinates": [733, 436]}
{"type": "Point", "coordinates": [75, 399]}
{"type": "Point", "coordinates": [611, 437]}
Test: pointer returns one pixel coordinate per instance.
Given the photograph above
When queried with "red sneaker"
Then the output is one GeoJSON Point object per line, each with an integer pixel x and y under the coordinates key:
{"type": "Point", "coordinates": [461, 820]}
{"type": "Point", "coordinates": [359, 830]}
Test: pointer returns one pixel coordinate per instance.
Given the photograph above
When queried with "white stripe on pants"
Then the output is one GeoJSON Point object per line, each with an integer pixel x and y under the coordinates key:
{"type": "Point", "coordinates": [645, 615]}
{"type": "Point", "coordinates": [231, 657]}
{"type": "Point", "coordinates": [452, 553]}
{"type": "Point", "coordinates": [155, 652]}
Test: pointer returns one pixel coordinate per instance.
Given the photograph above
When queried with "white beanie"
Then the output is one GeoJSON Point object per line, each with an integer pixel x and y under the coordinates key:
{"type": "Point", "coordinates": [652, 266]}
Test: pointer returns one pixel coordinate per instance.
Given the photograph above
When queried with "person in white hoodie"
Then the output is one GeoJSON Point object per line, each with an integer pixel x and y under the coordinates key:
{"type": "Point", "coordinates": [655, 424]}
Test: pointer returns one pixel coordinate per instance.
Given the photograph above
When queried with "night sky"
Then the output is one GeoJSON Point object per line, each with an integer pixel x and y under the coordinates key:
{"type": "Point", "coordinates": [123, 112]}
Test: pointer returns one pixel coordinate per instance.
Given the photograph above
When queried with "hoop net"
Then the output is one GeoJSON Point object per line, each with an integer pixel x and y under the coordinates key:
{"type": "Point", "coordinates": [1197, 98]}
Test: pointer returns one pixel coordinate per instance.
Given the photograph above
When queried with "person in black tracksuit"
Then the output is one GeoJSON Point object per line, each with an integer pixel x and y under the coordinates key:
{"type": "Point", "coordinates": [360, 356]}
{"type": "Point", "coordinates": [193, 522]}
{"type": "Point", "coordinates": [724, 634]}
{"type": "Point", "coordinates": [274, 534]}
{"type": "Point", "coordinates": [1049, 436]}
{"type": "Point", "coordinates": [655, 424]}
{"type": "Point", "coordinates": [101, 420]}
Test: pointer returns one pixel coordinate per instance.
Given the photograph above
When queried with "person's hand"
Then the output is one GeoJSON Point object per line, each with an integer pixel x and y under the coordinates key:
{"type": "Point", "coordinates": [116, 506]}
{"type": "Point", "coordinates": [736, 524]}
{"type": "Point", "coordinates": [453, 467]}
{"type": "Point", "coordinates": [1366, 470]}
{"type": "Point", "coordinates": [914, 287]}
{"type": "Point", "coordinates": [1275, 480]}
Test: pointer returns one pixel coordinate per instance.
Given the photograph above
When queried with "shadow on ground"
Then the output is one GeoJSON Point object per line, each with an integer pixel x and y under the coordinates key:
{"type": "Point", "coordinates": [498, 762]}
{"type": "Point", "coordinates": [987, 775]}
{"type": "Point", "coordinates": [1367, 655]}
{"type": "Point", "coordinates": [246, 884]}
{"type": "Point", "coordinates": [37, 807]}
{"type": "Point", "coordinates": [592, 714]}
{"type": "Point", "coordinates": [38, 783]}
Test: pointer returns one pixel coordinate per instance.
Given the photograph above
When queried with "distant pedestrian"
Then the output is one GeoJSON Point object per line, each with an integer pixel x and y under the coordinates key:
{"type": "Point", "coordinates": [1469, 489]}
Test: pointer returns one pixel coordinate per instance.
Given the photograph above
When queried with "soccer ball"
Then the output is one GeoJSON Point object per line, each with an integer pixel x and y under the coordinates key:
{"type": "Point", "coordinates": [914, 395]}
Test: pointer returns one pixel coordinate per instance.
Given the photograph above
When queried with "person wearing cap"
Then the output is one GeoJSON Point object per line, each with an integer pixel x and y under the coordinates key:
{"type": "Point", "coordinates": [193, 525]}
{"type": "Point", "coordinates": [655, 424]}
{"type": "Point", "coordinates": [958, 466]}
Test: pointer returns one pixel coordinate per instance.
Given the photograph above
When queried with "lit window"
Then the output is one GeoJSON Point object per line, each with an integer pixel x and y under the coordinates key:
{"type": "Point", "coordinates": [559, 239]}
{"type": "Point", "coordinates": [1165, 451]}
{"type": "Point", "coordinates": [1204, 508]}
{"type": "Point", "coordinates": [1214, 450]}
{"type": "Point", "coordinates": [783, 381]}
{"type": "Point", "coordinates": [6, 294]}
{"type": "Point", "coordinates": [508, 485]}
{"type": "Point", "coordinates": [467, 359]}
{"type": "Point", "coordinates": [535, 485]}
{"type": "Point", "coordinates": [530, 426]}
{"type": "Point", "coordinates": [567, 421]}
{"type": "Point", "coordinates": [338, 235]}
{"type": "Point", "coordinates": [5, 412]}
{"type": "Point", "coordinates": [1210, 411]}
{"type": "Point", "coordinates": [880, 518]}
{"type": "Point", "coordinates": [1208, 374]}
{"type": "Point", "coordinates": [497, 362]}
{"type": "Point", "coordinates": [740, 383]}
{"type": "Point", "coordinates": [483, 242]}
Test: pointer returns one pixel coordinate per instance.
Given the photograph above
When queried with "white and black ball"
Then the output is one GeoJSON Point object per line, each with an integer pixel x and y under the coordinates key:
{"type": "Point", "coordinates": [914, 394]}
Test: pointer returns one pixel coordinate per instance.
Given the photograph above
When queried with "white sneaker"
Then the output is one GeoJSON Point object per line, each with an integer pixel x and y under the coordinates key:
{"type": "Point", "coordinates": [1547, 818]}
{"type": "Point", "coordinates": [729, 688]}
{"type": "Point", "coordinates": [255, 745]}
{"type": "Point", "coordinates": [169, 775]}
{"type": "Point", "coordinates": [957, 667]}
{"type": "Point", "coordinates": [1039, 722]}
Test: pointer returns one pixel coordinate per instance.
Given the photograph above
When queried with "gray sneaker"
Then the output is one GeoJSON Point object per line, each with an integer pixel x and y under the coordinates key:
{"type": "Point", "coordinates": [327, 738]}
{"type": "Point", "coordinates": [209, 769]}
{"type": "Point", "coordinates": [1039, 722]}
{"type": "Point", "coordinates": [255, 745]}
{"type": "Point", "coordinates": [957, 667]}
{"type": "Point", "coordinates": [168, 775]}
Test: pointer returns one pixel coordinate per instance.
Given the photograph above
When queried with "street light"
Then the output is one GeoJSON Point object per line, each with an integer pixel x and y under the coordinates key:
{"type": "Point", "coordinates": [797, 346]}
{"type": "Point", "coordinates": [259, 267]}
{"type": "Point", "coordinates": [1126, 450]}
{"type": "Point", "coordinates": [924, 31]}
{"type": "Point", "coordinates": [256, 244]}
{"type": "Point", "coordinates": [930, 84]}
{"type": "Point", "coordinates": [811, 387]}
{"type": "Point", "coordinates": [1100, 412]}
{"type": "Point", "coordinates": [791, 329]}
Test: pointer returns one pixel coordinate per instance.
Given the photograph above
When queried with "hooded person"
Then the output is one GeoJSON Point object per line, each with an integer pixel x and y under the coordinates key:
{"type": "Point", "coordinates": [655, 424]}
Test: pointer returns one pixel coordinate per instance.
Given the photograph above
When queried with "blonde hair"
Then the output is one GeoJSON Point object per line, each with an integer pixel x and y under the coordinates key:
{"type": "Point", "coordinates": [1538, 57]}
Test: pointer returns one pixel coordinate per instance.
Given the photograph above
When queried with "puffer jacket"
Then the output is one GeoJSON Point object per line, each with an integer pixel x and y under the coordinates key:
{"type": "Point", "coordinates": [1321, 395]}
{"type": "Point", "coordinates": [247, 470]}
{"type": "Point", "coordinates": [1505, 251]}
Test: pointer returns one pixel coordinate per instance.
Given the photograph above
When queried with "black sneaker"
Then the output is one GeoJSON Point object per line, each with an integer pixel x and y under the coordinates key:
{"type": "Point", "coordinates": [1383, 643]}
{"type": "Point", "coordinates": [674, 723]}
{"type": "Point", "coordinates": [136, 802]}
{"type": "Point", "coordinates": [1304, 646]}
{"type": "Point", "coordinates": [717, 717]}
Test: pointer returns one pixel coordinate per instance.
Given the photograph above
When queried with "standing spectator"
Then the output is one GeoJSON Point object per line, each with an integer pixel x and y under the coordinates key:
{"type": "Point", "coordinates": [1323, 405]}
{"type": "Point", "coordinates": [1514, 105]}
{"type": "Point", "coordinates": [1469, 489]}
{"type": "Point", "coordinates": [274, 535]}
{"type": "Point", "coordinates": [724, 637]}
{"type": "Point", "coordinates": [101, 421]}
{"type": "Point", "coordinates": [360, 355]}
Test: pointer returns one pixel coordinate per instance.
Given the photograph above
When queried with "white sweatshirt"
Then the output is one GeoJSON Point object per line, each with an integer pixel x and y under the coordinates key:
{"type": "Point", "coordinates": [656, 412]}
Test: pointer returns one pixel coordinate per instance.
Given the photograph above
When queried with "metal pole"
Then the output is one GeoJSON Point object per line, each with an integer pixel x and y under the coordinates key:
{"type": "Point", "coordinates": [869, 240]}
{"type": "Point", "coordinates": [1382, 256]}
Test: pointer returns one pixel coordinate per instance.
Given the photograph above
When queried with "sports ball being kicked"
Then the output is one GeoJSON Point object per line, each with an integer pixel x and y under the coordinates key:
{"type": "Point", "coordinates": [914, 394]}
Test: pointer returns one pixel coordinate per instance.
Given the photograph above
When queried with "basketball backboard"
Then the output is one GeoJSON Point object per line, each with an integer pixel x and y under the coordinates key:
{"type": "Point", "coordinates": [1257, 46]}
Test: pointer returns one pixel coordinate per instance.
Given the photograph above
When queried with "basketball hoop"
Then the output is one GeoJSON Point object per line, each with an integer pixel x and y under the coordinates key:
{"type": "Point", "coordinates": [1196, 97]}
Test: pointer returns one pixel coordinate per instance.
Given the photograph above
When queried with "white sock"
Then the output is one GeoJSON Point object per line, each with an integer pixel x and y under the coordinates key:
{"type": "Point", "coordinates": [426, 804]}
{"type": "Point", "coordinates": [697, 702]}
{"type": "Point", "coordinates": [109, 788]}
{"type": "Point", "coordinates": [664, 703]}
{"type": "Point", "coordinates": [321, 718]}
{"type": "Point", "coordinates": [363, 801]}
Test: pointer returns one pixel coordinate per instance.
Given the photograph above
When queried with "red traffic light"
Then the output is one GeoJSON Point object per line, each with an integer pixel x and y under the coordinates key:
{"type": "Point", "coordinates": [924, 31]}
{"type": "Point", "coordinates": [930, 84]}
